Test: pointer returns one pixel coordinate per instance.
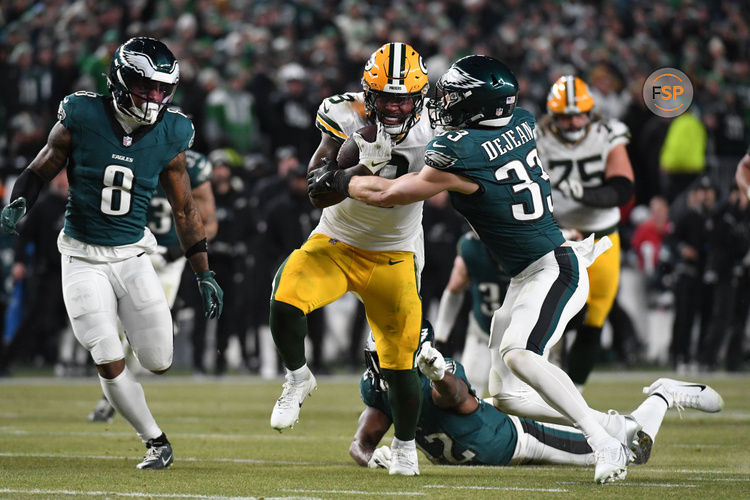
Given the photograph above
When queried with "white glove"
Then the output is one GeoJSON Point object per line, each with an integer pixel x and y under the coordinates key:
{"type": "Point", "coordinates": [374, 155]}
{"type": "Point", "coordinates": [571, 189]}
{"type": "Point", "coordinates": [380, 459]}
{"type": "Point", "coordinates": [431, 362]}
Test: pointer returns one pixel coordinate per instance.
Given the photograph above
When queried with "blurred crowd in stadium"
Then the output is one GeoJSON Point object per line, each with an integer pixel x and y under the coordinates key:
{"type": "Point", "coordinates": [252, 76]}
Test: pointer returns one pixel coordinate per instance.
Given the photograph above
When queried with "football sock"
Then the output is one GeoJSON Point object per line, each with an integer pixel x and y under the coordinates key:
{"type": "Point", "coordinates": [126, 395]}
{"type": "Point", "coordinates": [555, 387]}
{"type": "Point", "coordinates": [650, 414]}
{"type": "Point", "coordinates": [584, 353]}
{"type": "Point", "coordinates": [288, 327]}
{"type": "Point", "coordinates": [405, 398]}
{"type": "Point", "coordinates": [398, 444]}
{"type": "Point", "coordinates": [531, 405]}
{"type": "Point", "coordinates": [301, 373]}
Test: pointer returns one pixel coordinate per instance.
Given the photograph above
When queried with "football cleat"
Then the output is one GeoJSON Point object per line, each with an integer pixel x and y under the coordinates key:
{"type": "Point", "coordinates": [611, 463]}
{"type": "Point", "coordinates": [681, 395]}
{"type": "Point", "coordinates": [286, 410]}
{"type": "Point", "coordinates": [158, 455]}
{"type": "Point", "coordinates": [103, 411]}
{"type": "Point", "coordinates": [404, 462]}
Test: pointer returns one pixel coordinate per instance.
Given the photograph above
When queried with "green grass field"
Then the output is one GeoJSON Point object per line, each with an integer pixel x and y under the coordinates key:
{"type": "Point", "coordinates": [225, 448]}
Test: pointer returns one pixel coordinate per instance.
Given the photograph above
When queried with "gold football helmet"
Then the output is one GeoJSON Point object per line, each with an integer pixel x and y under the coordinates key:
{"type": "Point", "coordinates": [395, 84]}
{"type": "Point", "coordinates": [569, 102]}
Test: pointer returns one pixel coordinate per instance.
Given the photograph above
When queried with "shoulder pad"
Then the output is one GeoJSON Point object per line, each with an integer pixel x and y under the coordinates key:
{"type": "Point", "coordinates": [180, 128]}
{"type": "Point", "coordinates": [340, 115]}
{"type": "Point", "coordinates": [440, 153]}
{"type": "Point", "coordinates": [73, 107]}
{"type": "Point", "coordinates": [617, 132]}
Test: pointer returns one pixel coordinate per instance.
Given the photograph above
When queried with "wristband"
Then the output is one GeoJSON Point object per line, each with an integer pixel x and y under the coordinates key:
{"type": "Point", "coordinates": [201, 246]}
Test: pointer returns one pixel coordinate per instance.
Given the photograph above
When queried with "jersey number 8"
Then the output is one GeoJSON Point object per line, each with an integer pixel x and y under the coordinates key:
{"type": "Point", "coordinates": [116, 197]}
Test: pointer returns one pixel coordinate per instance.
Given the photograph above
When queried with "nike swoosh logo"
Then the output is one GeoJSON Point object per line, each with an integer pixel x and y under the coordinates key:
{"type": "Point", "coordinates": [437, 145]}
{"type": "Point", "coordinates": [325, 107]}
{"type": "Point", "coordinates": [392, 262]}
{"type": "Point", "coordinates": [165, 461]}
{"type": "Point", "coordinates": [703, 387]}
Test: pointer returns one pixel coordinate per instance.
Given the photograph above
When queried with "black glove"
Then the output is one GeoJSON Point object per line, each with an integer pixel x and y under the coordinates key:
{"type": "Point", "coordinates": [321, 181]}
{"type": "Point", "coordinates": [211, 293]}
{"type": "Point", "coordinates": [11, 213]}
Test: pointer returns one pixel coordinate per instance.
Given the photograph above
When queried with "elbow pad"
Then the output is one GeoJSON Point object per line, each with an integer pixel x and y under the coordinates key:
{"type": "Point", "coordinates": [614, 192]}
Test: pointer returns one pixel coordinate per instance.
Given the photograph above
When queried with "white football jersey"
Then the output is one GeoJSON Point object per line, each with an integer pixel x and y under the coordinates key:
{"type": "Point", "coordinates": [585, 162]}
{"type": "Point", "coordinates": [366, 226]}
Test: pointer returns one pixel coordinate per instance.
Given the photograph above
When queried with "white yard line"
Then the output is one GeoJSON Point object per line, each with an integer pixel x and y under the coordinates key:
{"type": "Point", "coordinates": [275, 436]}
{"type": "Point", "coordinates": [356, 492]}
{"type": "Point", "coordinates": [503, 488]}
{"type": "Point", "coordinates": [116, 493]}
{"type": "Point", "coordinates": [179, 459]}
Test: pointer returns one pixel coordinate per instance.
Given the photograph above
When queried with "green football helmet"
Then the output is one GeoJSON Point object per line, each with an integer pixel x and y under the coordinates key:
{"type": "Point", "coordinates": [146, 69]}
{"type": "Point", "coordinates": [476, 90]}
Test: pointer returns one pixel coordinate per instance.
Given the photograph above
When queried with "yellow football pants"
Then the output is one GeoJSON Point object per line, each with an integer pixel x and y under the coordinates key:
{"type": "Point", "coordinates": [324, 269]}
{"type": "Point", "coordinates": [604, 278]}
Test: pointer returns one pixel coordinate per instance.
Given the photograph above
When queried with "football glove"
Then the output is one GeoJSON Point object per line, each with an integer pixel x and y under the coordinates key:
{"type": "Point", "coordinates": [380, 459]}
{"type": "Point", "coordinates": [571, 189]}
{"type": "Point", "coordinates": [431, 362]}
{"type": "Point", "coordinates": [374, 155]}
{"type": "Point", "coordinates": [321, 181]}
{"type": "Point", "coordinates": [211, 293]}
{"type": "Point", "coordinates": [11, 213]}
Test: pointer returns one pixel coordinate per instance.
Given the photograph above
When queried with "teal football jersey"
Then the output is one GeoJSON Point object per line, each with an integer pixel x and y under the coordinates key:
{"type": "Point", "coordinates": [512, 210]}
{"type": "Point", "coordinates": [484, 437]}
{"type": "Point", "coordinates": [113, 174]}
{"type": "Point", "coordinates": [160, 220]}
{"type": "Point", "coordinates": [489, 282]}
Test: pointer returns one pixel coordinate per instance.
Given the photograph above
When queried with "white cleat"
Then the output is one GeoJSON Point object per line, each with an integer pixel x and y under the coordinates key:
{"type": "Point", "coordinates": [611, 463]}
{"type": "Point", "coordinates": [404, 462]}
{"type": "Point", "coordinates": [286, 410]}
{"type": "Point", "coordinates": [680, 395]}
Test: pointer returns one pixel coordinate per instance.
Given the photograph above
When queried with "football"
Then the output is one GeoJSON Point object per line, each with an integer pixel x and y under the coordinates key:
{"type": "Point", "coordinates": [349, 152]}
{"type": "Point", "coordinates": [348, 156]}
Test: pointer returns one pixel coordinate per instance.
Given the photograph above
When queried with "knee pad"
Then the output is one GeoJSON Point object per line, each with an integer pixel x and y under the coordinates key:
{"type": "Point", "coordinates": [156, 356]}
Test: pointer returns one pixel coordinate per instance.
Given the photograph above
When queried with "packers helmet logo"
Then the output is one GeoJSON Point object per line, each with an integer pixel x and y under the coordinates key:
{"type": "Point", "coordinates": [457, 78]}
{"type": "Point", "coordinates": [370, 62]}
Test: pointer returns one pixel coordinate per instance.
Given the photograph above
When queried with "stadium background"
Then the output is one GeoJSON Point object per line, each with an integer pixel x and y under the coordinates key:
{"type": "Point", "coordinates": [252, 76]}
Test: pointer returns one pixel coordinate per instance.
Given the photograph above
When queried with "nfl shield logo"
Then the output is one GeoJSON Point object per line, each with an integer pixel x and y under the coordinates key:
{"type": "Point", "coordinates": [127, 141]}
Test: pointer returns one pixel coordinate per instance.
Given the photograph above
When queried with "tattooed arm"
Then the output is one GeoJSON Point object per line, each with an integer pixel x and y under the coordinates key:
{"type": "Point", "coordinates": [176, 183]}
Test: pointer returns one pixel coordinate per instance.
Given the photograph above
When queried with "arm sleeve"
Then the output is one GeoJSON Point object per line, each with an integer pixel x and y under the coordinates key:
{"type": "Point", "coordinates": [450, 305]}
{"type": "Point", "coordinates": [615, 191]}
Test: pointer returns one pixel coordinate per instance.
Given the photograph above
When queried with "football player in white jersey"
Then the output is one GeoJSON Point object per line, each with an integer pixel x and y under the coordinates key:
{"type": "Point", "coordinates": [376, 253]}
{"type": "Point", "coordinates": [591, 177]}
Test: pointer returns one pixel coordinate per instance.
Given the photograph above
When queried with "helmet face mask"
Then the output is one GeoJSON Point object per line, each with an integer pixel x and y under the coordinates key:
{"type": "Point", "coordinates": [395, 84]}
{"type": "Point", "coordinates": [476, 90]}
{"type": "Point", "coordinates": [570, 103]}
{"type": "Point", "coordinates": [142, 78]}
